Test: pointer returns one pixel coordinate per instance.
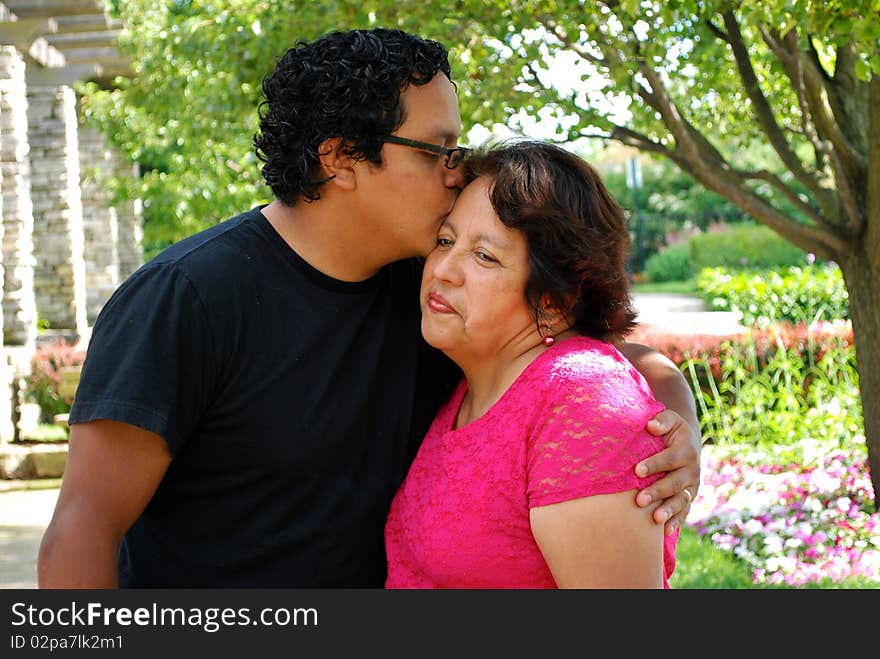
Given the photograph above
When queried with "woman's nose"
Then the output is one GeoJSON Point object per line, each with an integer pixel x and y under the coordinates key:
{"type": "Point", "coordinates": [444, 266]}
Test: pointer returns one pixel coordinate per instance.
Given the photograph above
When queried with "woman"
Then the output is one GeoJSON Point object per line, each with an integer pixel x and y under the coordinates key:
{"type": "Point", "coordinates": [526, 477]}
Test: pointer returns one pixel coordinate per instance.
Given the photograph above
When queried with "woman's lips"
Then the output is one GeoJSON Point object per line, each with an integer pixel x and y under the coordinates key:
{"type": "Point", "coordinates": [438, 304]}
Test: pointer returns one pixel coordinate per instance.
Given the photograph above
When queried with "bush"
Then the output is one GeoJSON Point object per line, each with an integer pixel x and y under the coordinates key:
{"type": "Point", "coordinates": [770, 386]}
{"type": "Point", "coordinates": [42, 382]}
{"type": "Point", "coordinates": [777, 398]}
{"type": "Point", "coordinates": [672, 264]}
{"type": "Point", "coordinates": [797, 295]}
{"type": "Point", "coordinates": [748, 246]}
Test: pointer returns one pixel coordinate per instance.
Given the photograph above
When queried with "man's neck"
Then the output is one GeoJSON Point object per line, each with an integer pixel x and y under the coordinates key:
{"type": "Point", "coordinates": [327, 238]}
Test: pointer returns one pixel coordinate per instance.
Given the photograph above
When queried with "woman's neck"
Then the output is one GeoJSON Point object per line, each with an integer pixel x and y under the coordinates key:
{"type": "Point", "coordinates": [489, 377]}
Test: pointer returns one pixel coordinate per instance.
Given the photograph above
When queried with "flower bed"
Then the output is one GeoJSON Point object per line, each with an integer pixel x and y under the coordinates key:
{"type": "Point", "coordinates": [798, 339]}
{"type": "Point", "coordinates": [795, 523]}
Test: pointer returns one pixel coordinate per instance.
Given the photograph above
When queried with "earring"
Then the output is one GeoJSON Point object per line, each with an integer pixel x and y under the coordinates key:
{"type": "Point", "coordinates": [548, 338]}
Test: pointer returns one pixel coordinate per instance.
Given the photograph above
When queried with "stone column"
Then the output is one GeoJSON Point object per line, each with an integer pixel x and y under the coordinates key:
{"type": "Point", "coordinates": [130, 222]}
{"type": "Point", "coordinates": [19, 307]}
{"type": "Point", "coordinates": [60, 273]}
{"type": "Point", "coordinates": [7, 428]}
{"type": "Point", "coordinates": [100, 221]}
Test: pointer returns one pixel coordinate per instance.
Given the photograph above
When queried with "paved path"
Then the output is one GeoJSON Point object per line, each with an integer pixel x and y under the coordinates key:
{"type": "Point", "coordinates": [24, 514]}
{"type": "Point", "coordinates": [684, 314]}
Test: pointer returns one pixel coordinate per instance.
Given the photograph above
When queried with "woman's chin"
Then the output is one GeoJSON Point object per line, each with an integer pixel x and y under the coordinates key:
{"type": "Point", "coordinates": [435, 338]}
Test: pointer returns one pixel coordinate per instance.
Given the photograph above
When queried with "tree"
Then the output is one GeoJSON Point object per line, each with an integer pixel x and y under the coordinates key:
{"type": "Point", "coordinates": [694, 81]}
{"type": "Point", "coordinates": [701, 81]}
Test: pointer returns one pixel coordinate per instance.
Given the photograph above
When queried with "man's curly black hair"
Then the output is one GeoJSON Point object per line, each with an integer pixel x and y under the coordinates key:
{"type": "Point", "coordinates": [345, 84]}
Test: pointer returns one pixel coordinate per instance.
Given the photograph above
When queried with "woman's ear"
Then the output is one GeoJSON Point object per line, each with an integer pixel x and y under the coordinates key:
{"type": "Point", "coordinates": [336, 166]}
{"type": "Point", "coordinates": [553, 317]}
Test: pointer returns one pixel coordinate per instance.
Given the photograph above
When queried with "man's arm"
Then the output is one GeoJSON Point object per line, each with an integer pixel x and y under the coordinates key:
{"type": "Point", "coordinates": [680, 428]}
{"type": "Point", "coordinates": [113, 470]}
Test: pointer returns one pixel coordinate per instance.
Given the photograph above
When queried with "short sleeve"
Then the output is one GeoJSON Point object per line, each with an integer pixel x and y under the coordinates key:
{"type": "Point", "coordinates": [591, 433]}
{"type": "Point", "coordinates": [148, 360]}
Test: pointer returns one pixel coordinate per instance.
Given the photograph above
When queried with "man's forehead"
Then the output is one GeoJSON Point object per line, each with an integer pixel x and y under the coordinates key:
{"type": "Point", "coordinates": [432, 109]}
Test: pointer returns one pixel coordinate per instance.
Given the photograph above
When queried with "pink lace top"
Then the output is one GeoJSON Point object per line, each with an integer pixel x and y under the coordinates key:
{"type": "Point", "coordinates": [572, 425]}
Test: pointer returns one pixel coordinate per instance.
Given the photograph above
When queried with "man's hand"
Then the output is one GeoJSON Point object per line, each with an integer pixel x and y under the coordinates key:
{"type": "Point", "coordinates": [681, 462]}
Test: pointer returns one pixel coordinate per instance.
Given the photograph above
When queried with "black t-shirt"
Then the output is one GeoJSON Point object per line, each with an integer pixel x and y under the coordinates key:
{"type": "Point", "coordinates": [292, 404]}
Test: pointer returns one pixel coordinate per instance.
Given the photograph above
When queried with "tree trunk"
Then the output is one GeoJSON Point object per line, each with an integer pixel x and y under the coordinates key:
{"type": "Point", "coordinates": [862, 278]}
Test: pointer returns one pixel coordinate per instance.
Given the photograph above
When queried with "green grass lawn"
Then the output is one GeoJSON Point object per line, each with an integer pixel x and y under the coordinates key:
{"type": "Point", "coordinates": [47, 432]}
{"type": "Point", "coordinates": [702, 565]}
{"type": "Point", "coordinates": [685, 287]}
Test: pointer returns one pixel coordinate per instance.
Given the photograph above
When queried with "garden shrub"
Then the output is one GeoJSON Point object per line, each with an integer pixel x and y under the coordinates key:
{"type": "Point", "coordinates": [744, 246]}
{"type": "Point", "coordinates": [771, 386]}
{"type": "Point", "coordinates": [43, 380]}
{"type": "Point", "coordinates": [797, 294]}
{"type": "Point", "coordinates": [671, 264]}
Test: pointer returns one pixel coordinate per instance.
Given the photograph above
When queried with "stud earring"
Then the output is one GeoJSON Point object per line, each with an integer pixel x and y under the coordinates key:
{"type": "Point", "coordinates": [548, 338]}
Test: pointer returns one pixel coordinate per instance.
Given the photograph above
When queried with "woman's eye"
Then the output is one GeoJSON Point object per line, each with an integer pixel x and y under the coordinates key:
{"type": "Point", "coordinates": [444, 242]}
{"type": "Point", "coordinates": [482, 256]}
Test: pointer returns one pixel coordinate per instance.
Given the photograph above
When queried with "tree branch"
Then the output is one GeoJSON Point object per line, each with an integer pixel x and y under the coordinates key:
{"type": "Point", "coordinates": [814, 239]}
{"type": "Point", "coordinates": [689, 139]}
{"type": "Point", "coordinates": [554, 28]}
{"type": "Point", "coordinates": [847, 95]}
{"type": "Point", "coordinates": [817, 95]}
{"type": "Point", "coordinates": [764, 113]}
{"type": "Point", "coordinates": [642, 142]}
{"type": "Point", "coordinates": [794, 72]}
{"type": "Point", "coordinates": [791, 195]}
{"type": "Point", "coordinates": [822, 240]}
{"type": "Point", "coordinates": [830, 140]}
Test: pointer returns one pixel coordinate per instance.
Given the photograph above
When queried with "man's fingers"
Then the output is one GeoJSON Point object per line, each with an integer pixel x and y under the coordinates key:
{"type": "Point", "coordinates": [670, 487]}
{"type": "Point", "coordinates": [673, 525]}
{"type": "Point", "coordinates": [666, 460]}
{"type": "Point", "coordinates": [674, 511]}
{"type": "Point", "coordinates": [663, 423]}
{"type": "Point", "coordinates": [651, 465]}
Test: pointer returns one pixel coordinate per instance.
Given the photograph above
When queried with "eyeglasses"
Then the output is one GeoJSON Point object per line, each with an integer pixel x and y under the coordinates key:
{"type": "Point", "coordinates": [453, 156]}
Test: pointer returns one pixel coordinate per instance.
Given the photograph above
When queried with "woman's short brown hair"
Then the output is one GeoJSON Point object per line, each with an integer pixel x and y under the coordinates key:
{"type": "Point", "coordinates": [576, 232]}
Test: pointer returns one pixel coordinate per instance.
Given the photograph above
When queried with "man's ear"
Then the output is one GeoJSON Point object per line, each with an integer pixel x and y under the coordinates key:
{"type": "Point", "coordinates": [336, 167]}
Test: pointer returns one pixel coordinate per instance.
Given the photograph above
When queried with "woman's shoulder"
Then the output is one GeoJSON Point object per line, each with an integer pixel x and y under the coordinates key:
{"type": "Point", "coordinates": [584, 366]}
{"type": "Point", "coordinates": [583, 356]}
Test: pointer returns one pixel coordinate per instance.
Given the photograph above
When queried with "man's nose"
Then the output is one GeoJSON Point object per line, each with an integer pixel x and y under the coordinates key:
{"type": "Point", "coordinates": [455, 178]}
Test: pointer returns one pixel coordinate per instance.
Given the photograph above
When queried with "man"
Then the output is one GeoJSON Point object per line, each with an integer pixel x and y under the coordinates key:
{"type": "Point", "coordinates": [253, 396]}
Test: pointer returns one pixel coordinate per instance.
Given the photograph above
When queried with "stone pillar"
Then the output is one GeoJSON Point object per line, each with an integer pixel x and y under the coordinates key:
{"type": "Point", "coordinates": [130, 222]}
{"type": "Point", "coordinates": [7, 427]}
{"type": "Point", "coordinates": [100, 221]}
{"type": "Point", "coordinates": [19, 307]}
{"type": "Point", "coordinates": [60, 273]}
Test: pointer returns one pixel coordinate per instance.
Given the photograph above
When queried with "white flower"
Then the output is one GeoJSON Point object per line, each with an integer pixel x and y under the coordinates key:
{"type": "Point", "coordinates": [773, 544]}
{"type": "Point", "coordinates": [752, 527]}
